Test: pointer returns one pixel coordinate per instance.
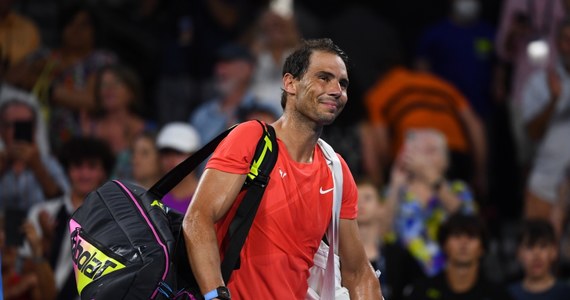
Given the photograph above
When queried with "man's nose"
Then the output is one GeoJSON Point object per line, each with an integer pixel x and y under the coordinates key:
{"type": "Point", "coordinates": [335, 89]}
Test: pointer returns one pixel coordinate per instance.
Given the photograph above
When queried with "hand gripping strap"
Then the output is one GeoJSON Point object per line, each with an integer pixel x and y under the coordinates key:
{"type": "Point", "coordinates": [328, 287]}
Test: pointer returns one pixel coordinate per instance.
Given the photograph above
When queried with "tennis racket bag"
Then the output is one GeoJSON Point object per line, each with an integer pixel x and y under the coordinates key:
{"type": "Point", "coordinates": [126, 244]}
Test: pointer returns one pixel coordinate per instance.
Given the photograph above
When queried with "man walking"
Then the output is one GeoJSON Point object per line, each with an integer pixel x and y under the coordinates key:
{"type": "Point", "coordinates": [297, 205]}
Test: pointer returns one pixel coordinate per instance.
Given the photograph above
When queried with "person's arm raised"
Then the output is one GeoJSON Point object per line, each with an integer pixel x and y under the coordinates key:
{"type": "Point", "coordinates": [357, 273]}
{"type": "Point", "coordinates": [214, 197]}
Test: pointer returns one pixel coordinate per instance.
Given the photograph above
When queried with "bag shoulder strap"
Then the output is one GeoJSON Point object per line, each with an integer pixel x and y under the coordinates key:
{"type": "Point", "coordinates": [262, 164]}
{"type": "Point", "coordinates": [175, 176]}
{"type": "Point", "coordinates": [328, 287]}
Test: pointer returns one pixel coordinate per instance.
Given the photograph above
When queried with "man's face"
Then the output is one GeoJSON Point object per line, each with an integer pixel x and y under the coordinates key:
{"type": "Point", "coordinates": [86, 176]}
{"type": "Point", "coordinates": [13, 113]}
{"type": "Point", "coordinates": [463, 249]}
{"type": "Point", "coordinates": [321, 93]}
{"type": "Point", "coordinates": [537, 259]}
{"type": "Point", "coordinates": [233, 74]}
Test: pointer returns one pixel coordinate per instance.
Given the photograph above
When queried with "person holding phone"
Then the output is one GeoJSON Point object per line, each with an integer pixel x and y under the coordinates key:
{"type": "Point", "coordinates": [27, 175]}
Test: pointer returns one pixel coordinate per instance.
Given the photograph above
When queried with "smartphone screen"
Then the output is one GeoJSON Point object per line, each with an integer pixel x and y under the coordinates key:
{"type": "Point", "coordinates": [13, 220]}
{"type": "Point", "coordinates": [23, 131]}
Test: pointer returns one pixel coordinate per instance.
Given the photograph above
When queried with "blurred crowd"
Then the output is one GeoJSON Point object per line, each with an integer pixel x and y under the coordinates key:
{"type": "Point", "coordinates": [457, 127]}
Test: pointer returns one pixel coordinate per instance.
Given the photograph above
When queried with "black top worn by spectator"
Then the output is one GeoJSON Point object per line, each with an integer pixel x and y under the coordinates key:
{"type": "Point", "coordinates": [437, 288]}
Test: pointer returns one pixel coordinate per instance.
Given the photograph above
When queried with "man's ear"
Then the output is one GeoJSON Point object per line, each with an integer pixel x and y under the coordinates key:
{"type": "Point", "coordinates": [289, 84]}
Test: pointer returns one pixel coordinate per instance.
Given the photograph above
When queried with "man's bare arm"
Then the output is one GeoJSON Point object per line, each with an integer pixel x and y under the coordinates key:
{"type": "Point", "coordinates": [357, 273]}
{"type": "Point", "coordinates": [214, 196]}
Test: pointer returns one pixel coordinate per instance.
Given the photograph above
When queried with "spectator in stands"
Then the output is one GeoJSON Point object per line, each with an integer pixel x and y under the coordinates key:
{"type": "Point", "coordinates": [88, 163]}
{"type": "Point", "coordinates": [145, 160]}
{"type": "Point", "coordinates": [526, 42]}
{"type": "Point", "coordinates": [537, 252]}
{"type": "Point", "coordinates": [25, 278]}
{"type": "Point", "coordinates": [463, 240]}
{"type": "Point", "coordinates": [560, 219]}
{"type": "Point", "coordinates": [28, 174]}
{"type": "Point", "coordinates": [404, 99]}
{"type": "Point", "coordinates": [460, 49]}
{"type": "Point", "coordinates": [277, 37]}
{"type": "Point", "coordinates": [64, 78]}
{"type": "Point", "coordinates": [546, 114]}
{"type": "Point", "coordinates": [375, 219]}
{"type": "Point", "coordinates": [19, 37]}
{"type": "Point", "coordinates": [116, 118]}
{"type": "Point", "coordinates": [424, 197]}
{"type": "Point", "coordinates": [234, 73]}
{"type": "Point", "coordinates": [176, 141]}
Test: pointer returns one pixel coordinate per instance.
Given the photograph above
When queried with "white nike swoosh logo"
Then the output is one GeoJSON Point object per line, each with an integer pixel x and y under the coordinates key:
{"type": "Point", "coordinates": [325, 191]}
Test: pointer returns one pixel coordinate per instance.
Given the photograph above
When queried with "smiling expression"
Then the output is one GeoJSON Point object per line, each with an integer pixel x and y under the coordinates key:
{"type": "Point", "coordinates": [321, 93]}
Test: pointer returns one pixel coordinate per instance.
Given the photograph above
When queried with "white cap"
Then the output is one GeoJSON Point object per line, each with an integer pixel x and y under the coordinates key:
{"type": "Point", "coordinates": [178, 136]}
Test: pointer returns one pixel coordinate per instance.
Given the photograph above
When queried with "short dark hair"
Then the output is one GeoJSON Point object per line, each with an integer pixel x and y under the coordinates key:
{"type": "Point", "coordinates": [298, 62]}
{"type": "Point", "coordinates": [536, 232]}
{"type": "Point", "coordinates": [459, 224]}
{"type": "Point", "coordinates": [81, 149]}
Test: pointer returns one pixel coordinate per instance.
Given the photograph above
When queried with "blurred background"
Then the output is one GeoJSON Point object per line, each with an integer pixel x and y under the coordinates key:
{"type": "Point", "coordinates": [455, 106]}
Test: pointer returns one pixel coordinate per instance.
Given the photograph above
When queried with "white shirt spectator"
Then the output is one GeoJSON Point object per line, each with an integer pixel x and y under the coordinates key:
{"type": "Point", "coordinates": [553, 152]}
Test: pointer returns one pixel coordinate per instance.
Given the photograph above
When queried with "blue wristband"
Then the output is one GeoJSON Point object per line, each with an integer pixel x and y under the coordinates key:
{"type": "Point", "coordinates": [211, 294]}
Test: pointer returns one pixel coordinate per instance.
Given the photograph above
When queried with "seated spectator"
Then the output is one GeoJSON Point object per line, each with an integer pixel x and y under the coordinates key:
{"type": "Point", "coordinates": [64, 78]}
{"type": "Point", "coordinates": [405, 99]}
{"type": "Point", "coordinates": [28, 174]}
{"type": "Point", "coordinates": [25, 278]}
{"type": "Point", "coordinates": [525, 24]}
{"type": "Point", "coordinates": [537, 252]}
{"type": "Point", "coordinates": [233, 76]}
{"type": "Point", "coordinates": [546, 114]}
{"type": "Point", "coordinates": [375, 219]}
{"type": "Point", "coordinates": [176, 141]}
{"type": "Point", "coordinates": [424, 197]}
{"type": "Point", "coordinates": [560, 219]}
{"type": "Point", "coordinates": [88, 163]}
{"type": "Point", "coordinates": [116, 118]}
{"type": "Point", "coordinates": [463, 240]}
{"type": "Point", "coordinates": [374, 223]}
{"type": "Point", "coordinates": [277, 37]}
{"type": "Point", "coordinates": [145, 160]}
